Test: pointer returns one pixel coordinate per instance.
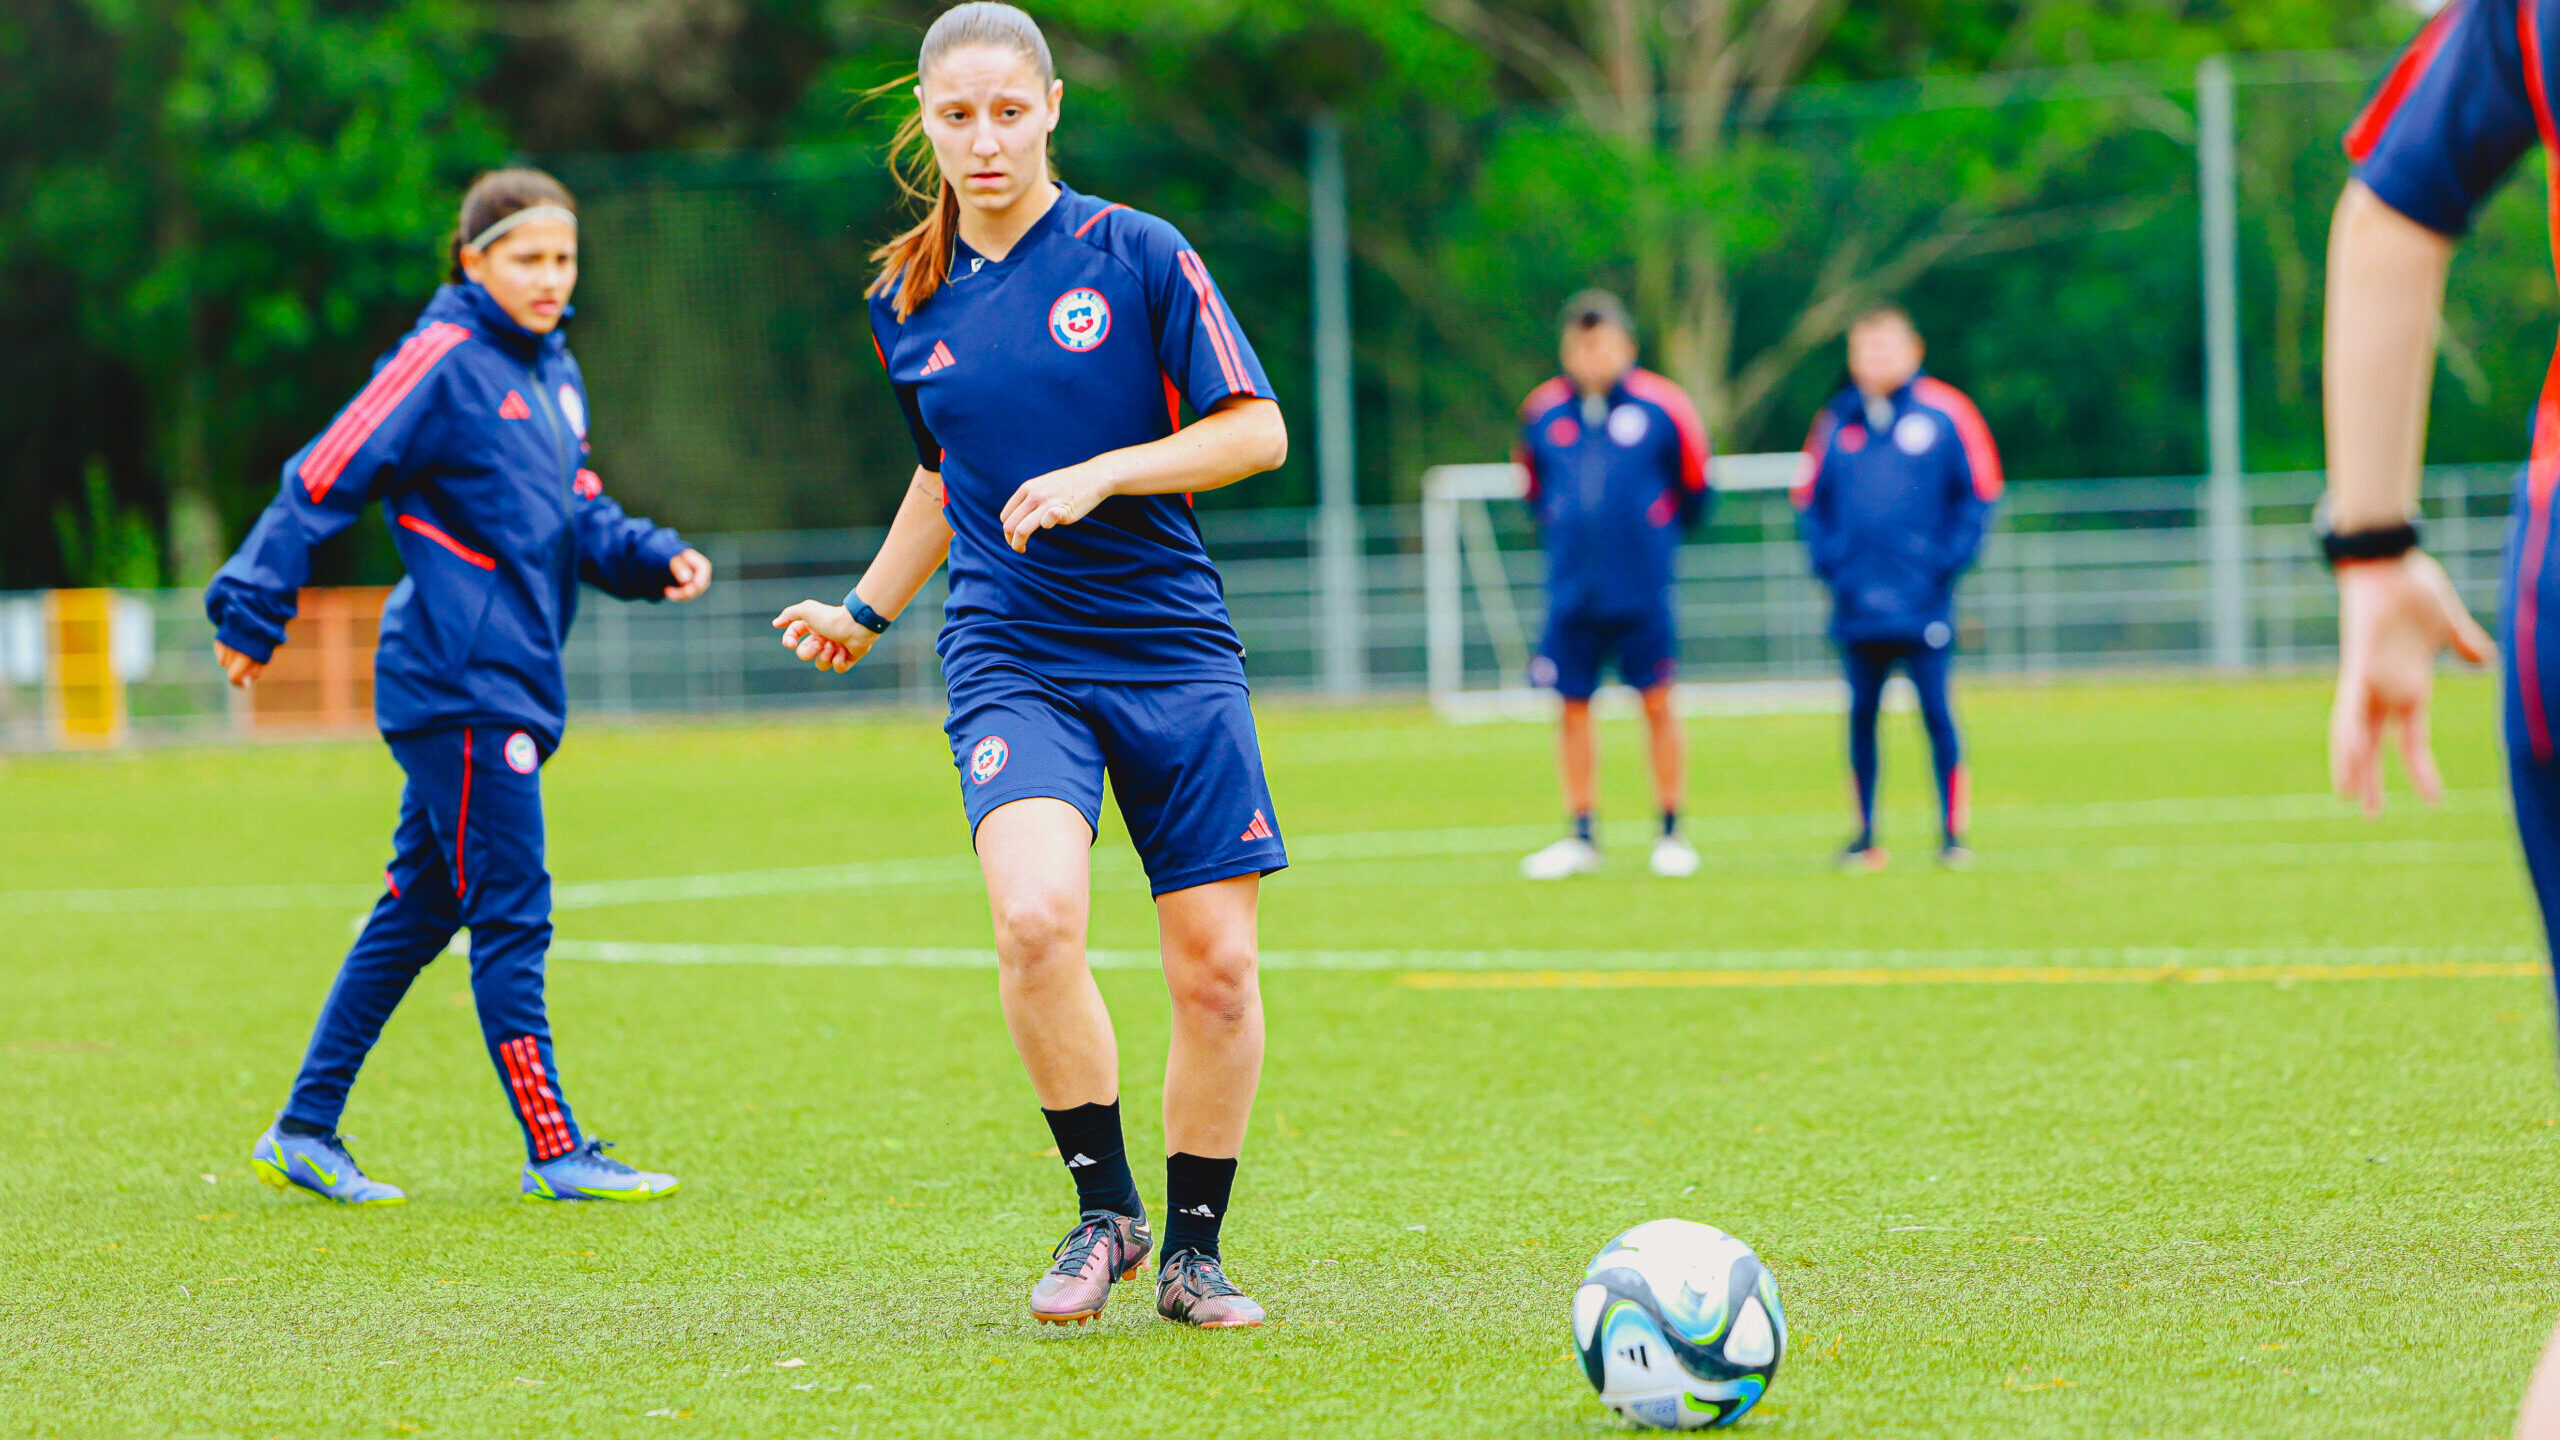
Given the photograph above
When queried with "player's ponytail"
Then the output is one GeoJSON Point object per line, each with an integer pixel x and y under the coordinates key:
{"type": "Point", "coordinates": [915, 263]}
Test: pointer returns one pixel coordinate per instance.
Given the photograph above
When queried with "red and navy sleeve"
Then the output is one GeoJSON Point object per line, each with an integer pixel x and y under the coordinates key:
{"type": "Point", "coordinates": [1524, 452]}
{"type": "Point", "coordinates": [2454, 113]}
{"type": "Point", "coordinates": [1199, 345]}
{"type": "Point", "coordinates": [1690, 456]}
{"type": "Point", "coordinates": [1813, 499]}
{"type": "Point", "coordinates": [1974, 476]}
{"type": "Point", "coordinates": [377, 438]}
{"type": "Point", "coordinates": [885, 328]}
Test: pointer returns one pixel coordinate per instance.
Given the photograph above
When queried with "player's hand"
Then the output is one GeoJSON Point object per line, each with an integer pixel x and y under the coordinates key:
{"type": "Point", "coordinates": [824, 635]}
{"type": "Point", "coordinates": [1061, 497]}
{"type": "Point", "coordinates": [2394, 618]}
{"type": "Point", "coordinates": [692, 574]}
{"type": "Point", "coordinates": [239, 669]}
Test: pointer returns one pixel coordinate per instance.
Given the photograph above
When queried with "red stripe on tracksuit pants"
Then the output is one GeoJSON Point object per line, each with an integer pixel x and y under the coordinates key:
{"type": "Point", "coordinates": [506, 906]}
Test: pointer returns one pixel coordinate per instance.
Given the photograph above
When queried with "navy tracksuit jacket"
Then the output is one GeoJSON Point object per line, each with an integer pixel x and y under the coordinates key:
{"type": "Point", "coordinates": [1892, 506]}
{"type": "Point", "coordinates": [472, 437]}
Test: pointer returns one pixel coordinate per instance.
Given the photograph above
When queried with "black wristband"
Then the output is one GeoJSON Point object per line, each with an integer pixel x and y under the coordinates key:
{"type": "Point", "coordinates": [2388, 543]}
{"type": "Point", "coordinates": [864, 616]}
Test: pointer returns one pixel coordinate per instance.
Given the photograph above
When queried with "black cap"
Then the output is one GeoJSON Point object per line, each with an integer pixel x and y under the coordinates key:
{"type": "Point", "coordinates": [1593, 308]}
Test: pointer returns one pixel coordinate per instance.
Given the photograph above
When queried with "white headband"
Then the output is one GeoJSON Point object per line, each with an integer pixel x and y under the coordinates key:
{"type": "Point", "coordinates": [526, 216]}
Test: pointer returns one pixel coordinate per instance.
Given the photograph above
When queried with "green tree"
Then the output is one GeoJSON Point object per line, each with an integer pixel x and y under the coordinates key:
{"type": "Point", "coordinates": [252, 200]}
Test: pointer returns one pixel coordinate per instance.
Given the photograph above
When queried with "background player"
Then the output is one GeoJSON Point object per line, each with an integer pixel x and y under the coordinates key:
{"type": "Point", "coordinates": [1898, 482]}
{"type": "Point", "coordinates": [1036, 338]}
{"type": "Point", "coordinates": [1617, 474]}
{"type": "Point", "coordinates": [472, 435]}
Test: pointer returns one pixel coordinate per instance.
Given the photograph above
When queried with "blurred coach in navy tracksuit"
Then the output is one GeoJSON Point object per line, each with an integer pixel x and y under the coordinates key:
{"type": "Point", "coordinates": [1616, 466]}
{"type": "Point", "coordinates": [1897, 486]}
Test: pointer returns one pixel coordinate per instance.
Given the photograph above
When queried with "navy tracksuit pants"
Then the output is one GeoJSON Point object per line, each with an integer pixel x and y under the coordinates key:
{"type": "Point", "coordinates": [1869, 664]}
{"type": "Point", "coordinates": [468, 852]}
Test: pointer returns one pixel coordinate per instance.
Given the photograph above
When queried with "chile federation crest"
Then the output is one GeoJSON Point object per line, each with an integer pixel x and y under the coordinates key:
{"type": "Point", "coordinates": [1080, 319]}
{"type": "Point", "coordinates": [987, 759]}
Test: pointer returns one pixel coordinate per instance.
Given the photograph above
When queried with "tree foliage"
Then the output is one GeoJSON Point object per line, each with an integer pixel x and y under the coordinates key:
{"type": "Point", "coordinates": [214, 212]}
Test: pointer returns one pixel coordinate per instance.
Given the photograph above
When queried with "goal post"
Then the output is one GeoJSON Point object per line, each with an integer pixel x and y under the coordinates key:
{"type": "Point", "coordinates": [1462, 558]}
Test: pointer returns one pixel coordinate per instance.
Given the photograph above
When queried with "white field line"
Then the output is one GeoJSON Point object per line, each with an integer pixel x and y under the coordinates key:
{"type": "Point", "coordinates": [2145, 960]}
{"type": "Point", "coordinates": [959, 872]}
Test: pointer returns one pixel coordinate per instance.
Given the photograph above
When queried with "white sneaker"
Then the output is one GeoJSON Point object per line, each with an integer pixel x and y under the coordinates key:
{"type": "Point", "coordinates": [1674, 858]}
{"type": "Point", "coordinates": [1569, 856]}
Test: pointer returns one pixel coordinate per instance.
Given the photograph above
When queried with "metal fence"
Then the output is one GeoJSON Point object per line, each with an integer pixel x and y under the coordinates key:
{"type": "Point", "coordinates": [2076, 576]}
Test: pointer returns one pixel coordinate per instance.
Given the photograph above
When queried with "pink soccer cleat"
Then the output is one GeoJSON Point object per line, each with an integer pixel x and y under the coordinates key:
{"type": "Point", "coordinates": [1103, 1249]}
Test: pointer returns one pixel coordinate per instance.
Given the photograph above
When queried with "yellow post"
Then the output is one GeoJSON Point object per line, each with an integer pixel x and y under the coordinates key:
{"type": "Point", "coordinates": [83, 697]}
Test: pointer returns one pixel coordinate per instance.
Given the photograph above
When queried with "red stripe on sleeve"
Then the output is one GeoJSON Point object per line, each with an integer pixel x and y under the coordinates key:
{"type": "Point", "coordinates": [1228, 365]}
{"type": "Point", "coordinates": [1096, 218]}
{"type": "Point", "coordinates": [1674, 401]}
{"type": "Point", "coordinates": [2370, 125]}
{"type": "Point", "coordinates": [355, 424]}
{"type": "Point", "coordinates": [1172, 402]}
{"type": "Point", "coordinates": [1980, 455]}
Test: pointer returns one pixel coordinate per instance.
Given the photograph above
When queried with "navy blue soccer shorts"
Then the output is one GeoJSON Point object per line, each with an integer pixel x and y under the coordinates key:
{"type": "Point", "coordinates": [1570, 658]}
{"type": "Point", "coordinates": [1180, 755]}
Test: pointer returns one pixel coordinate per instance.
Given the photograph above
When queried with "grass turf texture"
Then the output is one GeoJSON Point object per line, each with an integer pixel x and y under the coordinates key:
{"type": "Point", "coordinates": [2246, 1209]}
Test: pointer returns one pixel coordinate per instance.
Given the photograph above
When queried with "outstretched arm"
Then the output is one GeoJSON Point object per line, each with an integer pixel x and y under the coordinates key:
{"type": "Point", "coordinates": [1240, 436]}
{"type": "Point", "coordinates": [2386, 291]}
{"type": "Point", "coordinates": [919, 540]}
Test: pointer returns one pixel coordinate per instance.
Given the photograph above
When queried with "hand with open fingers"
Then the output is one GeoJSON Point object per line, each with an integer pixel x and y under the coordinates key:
{"type": "Point", "coordinates": [1061, 497]}
{"type": "Point", "coordinates": [691, 572]}
{"type": "Point", "coordinates": [824, 635]}
{"type": "Point", "coordinates": [239, 669]}
{"type": "Point", "coordinates": [2394, 618]}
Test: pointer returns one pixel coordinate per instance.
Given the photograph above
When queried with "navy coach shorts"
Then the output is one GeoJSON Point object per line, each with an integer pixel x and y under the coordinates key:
{"type": "Point", "coordinates": [1575, 649]}
{"type": "Point", "coordinates": [1181, 756]}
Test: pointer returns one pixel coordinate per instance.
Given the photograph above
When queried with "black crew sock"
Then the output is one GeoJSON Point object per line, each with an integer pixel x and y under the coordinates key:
{"type": "Point", "coordinates": [290, 1126]}
{"type": "Point", "coordinates": [1582, 826]}
{"type": "Point", "coordinates": [1089, 1142]}
{"type": "Point", "coordinates": [1670, 823]}
{"type": "Point", "coordinates": [1195, 1195]}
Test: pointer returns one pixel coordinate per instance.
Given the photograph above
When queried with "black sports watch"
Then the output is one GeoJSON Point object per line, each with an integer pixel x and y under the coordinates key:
{"type": "Point", "coordinates": [864, 616]}
{"type": "Point", "coordinates": [2388, 542]}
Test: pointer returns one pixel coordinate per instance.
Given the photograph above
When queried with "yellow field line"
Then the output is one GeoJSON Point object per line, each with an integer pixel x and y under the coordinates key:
{"type": "Point", "coordinates": [1984, 975]}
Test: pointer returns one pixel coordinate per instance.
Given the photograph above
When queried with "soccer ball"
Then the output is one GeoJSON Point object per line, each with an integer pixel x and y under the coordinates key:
{"type": "Point", "coordinates": [1679, 1326]}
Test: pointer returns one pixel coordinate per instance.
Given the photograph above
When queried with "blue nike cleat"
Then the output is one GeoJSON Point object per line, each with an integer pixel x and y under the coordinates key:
{"type": "Point", "coordinates": [321, 1165]}
{"type": "Point", "coordinates": [587, 1173]}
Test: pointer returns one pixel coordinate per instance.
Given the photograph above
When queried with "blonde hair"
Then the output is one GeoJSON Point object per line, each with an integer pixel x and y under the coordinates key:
{"type": "Point", "coordinates": [915, 262]}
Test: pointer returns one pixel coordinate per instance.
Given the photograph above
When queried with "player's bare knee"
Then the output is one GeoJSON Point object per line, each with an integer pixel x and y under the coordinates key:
{"type": "Point", "coordinates": [1039, 928]}
{"type": "Point", "coordinates": [1218, 984]}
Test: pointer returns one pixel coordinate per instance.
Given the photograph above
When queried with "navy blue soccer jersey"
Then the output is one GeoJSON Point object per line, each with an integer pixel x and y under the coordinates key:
{"type": "Point", "coordinates": [1086, 338]}
{"type": "Point", "coordinates": [2469, 95]}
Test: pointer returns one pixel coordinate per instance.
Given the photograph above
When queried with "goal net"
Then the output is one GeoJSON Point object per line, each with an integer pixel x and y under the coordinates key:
{"type": "Point", "coordinates": [1482, 580]}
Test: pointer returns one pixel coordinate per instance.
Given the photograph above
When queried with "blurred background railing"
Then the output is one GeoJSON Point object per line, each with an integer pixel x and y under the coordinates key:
{"type": "Point", "coordinates": [2076, 576]}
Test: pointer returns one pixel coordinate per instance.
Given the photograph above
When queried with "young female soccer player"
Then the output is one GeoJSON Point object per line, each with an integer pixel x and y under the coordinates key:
{"type": "Point", "coordinates": [472, 436]}
{"type": "Point", "coordinates": [1039, 340]}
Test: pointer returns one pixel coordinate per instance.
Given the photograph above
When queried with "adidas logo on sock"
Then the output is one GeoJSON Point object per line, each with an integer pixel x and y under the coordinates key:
{"type": "Point", "coordinates": [1202, 1210]}
{"type": "Point", "coordinates": [1081, 1160]}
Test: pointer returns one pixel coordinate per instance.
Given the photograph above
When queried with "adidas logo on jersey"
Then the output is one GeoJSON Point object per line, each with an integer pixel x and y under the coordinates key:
{"type": "Point", "coordinates": [940, 359]}
{"type": "Point", "coordinates": [514, 408]}
{"type": "Point", "coordinates": [1260, 829]}
{"type": "Point", "coordinates": [1081, 1160]}
{"type": "Point", "coordinates": [1201, 1210]}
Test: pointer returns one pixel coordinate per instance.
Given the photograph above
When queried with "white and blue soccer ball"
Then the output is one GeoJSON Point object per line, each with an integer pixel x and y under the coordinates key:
{"type": "Point", "coordinates": [1678, 1325]}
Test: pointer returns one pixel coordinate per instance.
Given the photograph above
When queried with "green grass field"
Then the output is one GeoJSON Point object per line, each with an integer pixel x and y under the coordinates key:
{"type": "Point", "coordinates": [2290, 1201]}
